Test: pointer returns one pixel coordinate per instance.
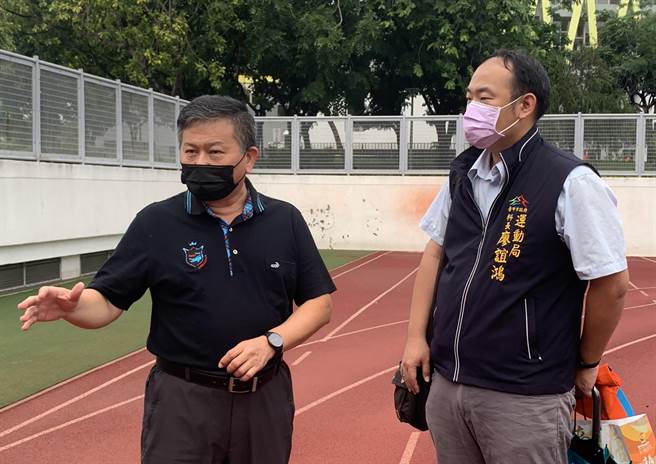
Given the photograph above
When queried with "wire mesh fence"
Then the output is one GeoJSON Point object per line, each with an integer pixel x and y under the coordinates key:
{"type": "Point", "coordinates": [48, 112]}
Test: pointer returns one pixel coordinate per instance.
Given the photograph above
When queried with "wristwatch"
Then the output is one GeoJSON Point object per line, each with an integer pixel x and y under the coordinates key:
{"type": "Point", "coordinates": [275, 341]}
{"type": "Point", "coordinates": [583, 365]}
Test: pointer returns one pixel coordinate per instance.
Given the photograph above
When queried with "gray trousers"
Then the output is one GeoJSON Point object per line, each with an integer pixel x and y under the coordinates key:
{"type": "Point", "coordinates": [478, 426]}
{"type": "Point", "coordinates": [188, 423]}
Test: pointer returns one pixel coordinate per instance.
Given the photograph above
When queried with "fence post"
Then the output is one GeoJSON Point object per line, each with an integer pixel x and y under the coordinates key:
{"type": "Point", "coordinates": [403, 145]}
{"type": "Point", "coordinates": [578, 135]}
{"type": "Point", "coordinates": [296, 146]}
{"type": "Point", "coordinates": [348, 147]}
{"type": "Point", "coordinates": [151, 128]}
{"type": "Point", "coordinates": [36, 108]}
{"type": "Point", "coordinates": [460, 135]}
{"type": "Point", "coordinates": [119, 122]}
{"type": "Point", "coordinates": [641, 145]}
{"type": "Point", "coordinates": [177, 115]}
{"type": "Point", "coordinates": [81, 123]}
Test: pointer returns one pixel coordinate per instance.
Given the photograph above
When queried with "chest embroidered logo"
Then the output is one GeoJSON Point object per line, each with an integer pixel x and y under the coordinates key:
{"type": "Point", "coordinates": [195, 255]}
{"type": "Point", "coordinates": [510, 241]}
{"type": "Point", "coordinates": [275, 265]}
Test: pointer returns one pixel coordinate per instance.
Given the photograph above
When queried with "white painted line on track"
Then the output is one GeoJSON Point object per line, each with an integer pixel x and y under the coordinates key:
{"type": "Point", "coordinates": [635, 287]}
{"type": "Point", "coordinates": [323, 399]}
{"type": "Point", "coordinates": [64, 382]}
{"type": "Point", "coordinates": [367, 329]}
{"type": "Point", "coordinates": [641, 306]}
{"type": "Point", "coordinates": [301, 358]}
{"type": "Point", "coordinates": [362, 264]}
{"type": "Point", "coordinates": [368, 255]}
{"type": "Point", "coordinates": [410, 448]}
{"type": "Point", "coordinates": [648, 259]}
{"type": "Point", "coordinates": [355, 332]}
{"type": "Point", "coordinates": [73, 400]}
{"type": "Point", "coordinates": [641, 288]}
{"type": "Point", "coordinates": [634, 342]}
{"type": "Point", "coordinates": [71, 422]}
{"type": "Point", "coordinates": [368, 305]}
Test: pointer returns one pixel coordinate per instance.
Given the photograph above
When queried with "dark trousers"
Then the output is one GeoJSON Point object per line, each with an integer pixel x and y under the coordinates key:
{"type": "Point", "coordinates": [188, 423]}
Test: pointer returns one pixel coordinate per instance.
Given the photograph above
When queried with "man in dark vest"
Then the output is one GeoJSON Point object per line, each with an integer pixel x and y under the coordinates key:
{"type": "Point", "coordinates": [530, 228]}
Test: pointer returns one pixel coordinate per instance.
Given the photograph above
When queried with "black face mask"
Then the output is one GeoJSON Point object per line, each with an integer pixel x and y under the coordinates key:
{"type": "Point", "coordinates": [209, 182]}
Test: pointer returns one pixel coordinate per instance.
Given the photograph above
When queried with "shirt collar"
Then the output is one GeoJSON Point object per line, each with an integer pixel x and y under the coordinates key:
{"type": "Point", "coordinates": [481, 168]}
{"type": "Point", "coordinates": [194, 206]}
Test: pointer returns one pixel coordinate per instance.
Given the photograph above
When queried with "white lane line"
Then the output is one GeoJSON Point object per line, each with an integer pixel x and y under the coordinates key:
{"type": "Point", "coordinates": [362, 264]}
{"type": "Point", "coordinates": [300, 359]}
{"type": "Point", "coordinates": [343, 390]}
{"type": "Point", "coordinates": [635, 287]}
{"type": "Point", "coordinates": [71, 422]}
{"type": "Point", "coordinates": [61, 384]}
{"type": "Point", "coordinates": [73, 400]}
{"type": "Point", "coordinates": [367, 329]}
{"type": "Point", "coordinates": [368, 305]}
{"type": "Point", "coordinates": [647, 259]}
{"type": "Point", "coordinates": [641, 288]}
{"type": "Point", "coordinates": [644, 293]}
{"type": "Point", "coordinates": [410, 448]}
{"type": "Point", "coordinates": [641, 306]}
{"type": "Point", "coordinates": [634, 342]}
{"type": "Point", "coordinates": [368, 255]}
{"type": "Point", "coordinates": [346, 334]}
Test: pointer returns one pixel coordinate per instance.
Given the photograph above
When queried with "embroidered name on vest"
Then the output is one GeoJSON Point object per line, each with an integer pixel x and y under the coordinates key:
{"type": "Point", "coordinates": [510, 241]}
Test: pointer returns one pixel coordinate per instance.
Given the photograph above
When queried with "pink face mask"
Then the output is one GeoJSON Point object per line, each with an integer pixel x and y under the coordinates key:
{"type": "Point", "coordinates": [480, 123]}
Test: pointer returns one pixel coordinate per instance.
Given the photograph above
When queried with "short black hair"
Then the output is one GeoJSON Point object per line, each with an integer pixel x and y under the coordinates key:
{"type": "Point", "coordinates": [528, 76]}
{"type": "Point", "coordinates": [213, 107]}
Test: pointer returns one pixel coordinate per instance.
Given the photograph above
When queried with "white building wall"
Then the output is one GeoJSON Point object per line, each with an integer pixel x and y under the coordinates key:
{"type": "Point", "coordinates": [53, 210]}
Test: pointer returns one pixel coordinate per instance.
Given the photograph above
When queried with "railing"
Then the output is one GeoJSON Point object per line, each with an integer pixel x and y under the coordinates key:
{"type": "Point", "coordinates": [52, 113]}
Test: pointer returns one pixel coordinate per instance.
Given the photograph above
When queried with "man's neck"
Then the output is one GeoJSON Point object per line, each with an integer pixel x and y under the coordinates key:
{"type": "Point", "coordinates": [510, 139]}
{"type": "Point", "coordinates": [231, 206]}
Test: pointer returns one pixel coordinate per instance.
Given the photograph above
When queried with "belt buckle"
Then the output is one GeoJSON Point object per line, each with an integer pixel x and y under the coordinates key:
{"type": "Point", "coordinates": [232, 383]}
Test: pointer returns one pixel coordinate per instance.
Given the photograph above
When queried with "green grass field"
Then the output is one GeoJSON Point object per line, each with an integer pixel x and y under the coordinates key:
{"type": "Point", "coordinates": [51, 352]}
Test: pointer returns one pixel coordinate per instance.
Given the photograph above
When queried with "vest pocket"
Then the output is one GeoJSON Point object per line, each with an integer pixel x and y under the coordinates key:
{"type": "Point", "coordinates": [532, 347]}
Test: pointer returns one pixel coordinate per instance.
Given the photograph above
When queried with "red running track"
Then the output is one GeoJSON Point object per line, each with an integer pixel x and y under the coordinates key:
{"type": "Point", "coordinates": [341, 381]}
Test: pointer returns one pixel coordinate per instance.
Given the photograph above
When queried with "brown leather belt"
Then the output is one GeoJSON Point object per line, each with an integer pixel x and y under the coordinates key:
{"type": "Point", "coordinates": [220, 380]}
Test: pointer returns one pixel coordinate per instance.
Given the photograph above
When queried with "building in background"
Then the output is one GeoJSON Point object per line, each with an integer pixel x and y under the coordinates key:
{"type": "Point", "coordinates": [580, 24]}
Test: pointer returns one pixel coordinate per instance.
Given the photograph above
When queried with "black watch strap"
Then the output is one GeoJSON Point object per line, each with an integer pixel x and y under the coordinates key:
{"type": "Point", "coordinates": [583, 365]}
{"type": "Point", "coordinates": [275, 341]}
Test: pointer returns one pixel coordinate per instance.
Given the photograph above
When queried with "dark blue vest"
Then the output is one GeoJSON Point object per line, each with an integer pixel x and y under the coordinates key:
{"type": "Point", "coordinates": [508, 308]}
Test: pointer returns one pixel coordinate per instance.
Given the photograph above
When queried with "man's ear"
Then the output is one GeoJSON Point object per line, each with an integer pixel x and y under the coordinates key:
{"type": "Point", "coordinates": [252, 154]}
{"type": "Point", "coordinates": [528, 105]}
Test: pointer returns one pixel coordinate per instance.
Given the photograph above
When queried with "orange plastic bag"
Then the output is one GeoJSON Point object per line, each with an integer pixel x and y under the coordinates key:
{"type": "Point", "coordinates": [614, 403]}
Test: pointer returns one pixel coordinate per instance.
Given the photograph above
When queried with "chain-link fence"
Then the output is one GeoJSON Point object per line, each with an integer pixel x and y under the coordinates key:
{"type": "Point", "coordinates": [48, 112]}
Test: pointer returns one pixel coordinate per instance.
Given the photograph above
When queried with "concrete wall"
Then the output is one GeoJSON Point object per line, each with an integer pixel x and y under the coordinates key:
{"type": "Point", "coordinates": [52, 210]}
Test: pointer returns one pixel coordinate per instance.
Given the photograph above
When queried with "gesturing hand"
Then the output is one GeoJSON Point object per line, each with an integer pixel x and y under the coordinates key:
{"type": "Point", "coordinates": [247, 358]}
{"type": "Point", "coordinates": [50, 304]}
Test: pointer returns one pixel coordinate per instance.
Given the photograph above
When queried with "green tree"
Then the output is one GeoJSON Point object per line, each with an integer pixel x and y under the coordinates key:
{"type": "Point", "coordinates": [435, 46]}
{"type": "Point", "coordinates": [169, 45]}
{"type": "Point", "coordinates": [582, 81]}
{"type": "Point", "coordinates": [629, 47]}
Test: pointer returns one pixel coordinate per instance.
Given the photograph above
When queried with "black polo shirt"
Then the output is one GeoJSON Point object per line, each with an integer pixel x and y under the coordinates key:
{"type": "Point", "coordinates": [199, 310]}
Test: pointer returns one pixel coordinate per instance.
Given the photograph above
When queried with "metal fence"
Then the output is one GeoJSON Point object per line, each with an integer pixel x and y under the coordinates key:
{"type": "Point", "coordinates": [52, 113]}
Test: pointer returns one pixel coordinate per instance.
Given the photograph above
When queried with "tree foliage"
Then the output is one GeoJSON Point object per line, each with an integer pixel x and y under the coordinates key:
{"type": "Point", "coordinates": [629, 48]}
{"type": "Point", "coordinates": [328, 56]}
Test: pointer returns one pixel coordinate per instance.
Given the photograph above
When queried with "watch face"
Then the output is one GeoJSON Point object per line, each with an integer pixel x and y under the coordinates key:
{"type": "Point", "coordinates": [275, 340]}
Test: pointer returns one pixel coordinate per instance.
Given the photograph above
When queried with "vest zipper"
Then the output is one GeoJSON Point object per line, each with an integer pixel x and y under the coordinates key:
{"type": "Point", "coordinates": [484, 223]}
{"type": "Point", "coordinates": [528, 340]}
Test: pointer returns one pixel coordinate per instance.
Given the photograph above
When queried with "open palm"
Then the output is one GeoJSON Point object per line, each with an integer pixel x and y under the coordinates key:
{"type": "Point", "coordinates": [50, 304]}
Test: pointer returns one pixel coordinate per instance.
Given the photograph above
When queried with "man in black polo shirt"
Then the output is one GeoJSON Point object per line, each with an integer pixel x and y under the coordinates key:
{"type": "Point", "coordinates": [224, 265]}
